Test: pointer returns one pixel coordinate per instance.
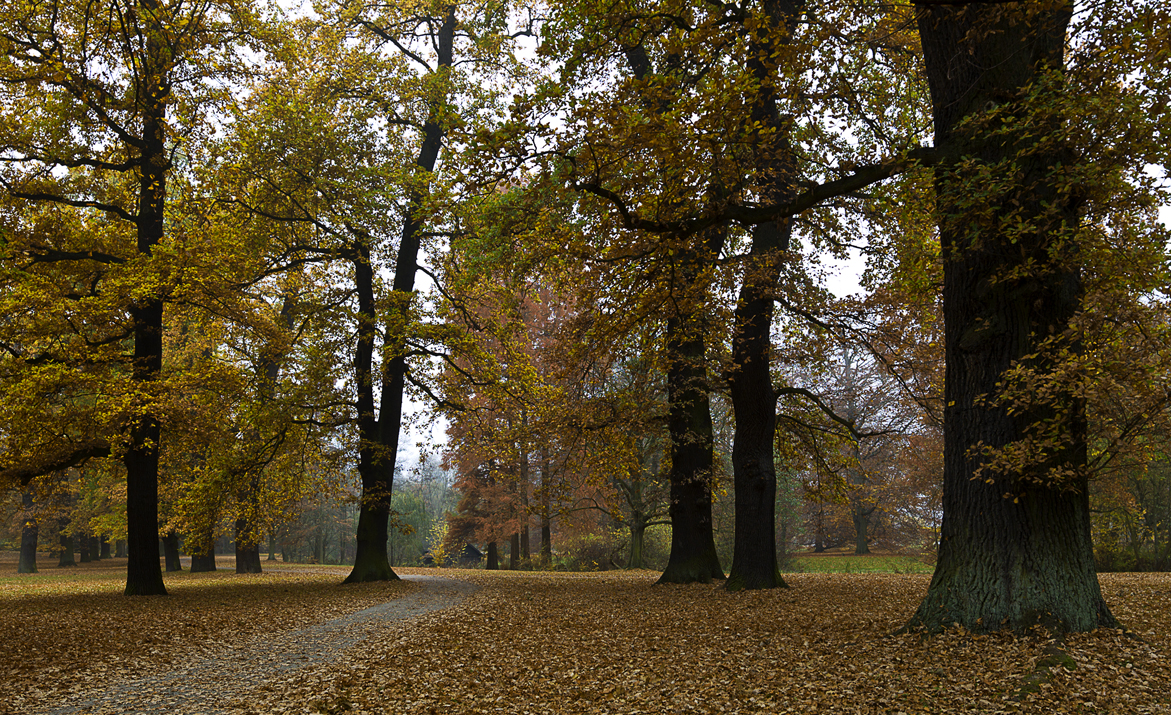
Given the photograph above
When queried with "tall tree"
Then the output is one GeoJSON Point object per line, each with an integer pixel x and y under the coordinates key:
{"type": "Point", "coordinates": [96, 100]}
{"type": "Point", "coordinates": [1022, 167]}
{"type": "Point", "coordinates": [365, 105]}
{"type": "Point", "coordinates": [754, 560]}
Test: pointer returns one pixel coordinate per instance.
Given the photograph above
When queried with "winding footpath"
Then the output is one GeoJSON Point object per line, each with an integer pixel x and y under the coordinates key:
{"type": "Point", "coordinates": [209, 684]}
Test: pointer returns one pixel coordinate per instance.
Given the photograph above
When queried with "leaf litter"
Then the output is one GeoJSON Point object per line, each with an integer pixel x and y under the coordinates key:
{"type": "Point", "coordinates": [530, 643]}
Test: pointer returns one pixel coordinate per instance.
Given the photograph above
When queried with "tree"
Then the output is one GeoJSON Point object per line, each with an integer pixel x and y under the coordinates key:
{"type": "Point", "coordinates": [400, 79]}
{"type": "Point", "coordinates": [701, 166]}
{"type": "Point", "coordinates": [1027, 161]}
{"type": "Point", "coordinates": [93, 142]}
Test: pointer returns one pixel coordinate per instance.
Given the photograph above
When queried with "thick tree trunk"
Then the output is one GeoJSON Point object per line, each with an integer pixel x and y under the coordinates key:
{"type": "Point", "coordinates": [171, 551]}
{"type": "Point", "coordinates": [120, 549]}
{"type": "Point", "coordinates": [28, 536]}
{"type": "Point", "coordinates": [1015, 546]}
{"type": "Point", "coordinates": [493, 560]}
{"type": "Point", "coordinates": [104, 548]}
{"type": "Point", "coordinates": [637, 536]}
{"type": "Point", "coordinates": [693, 546]}
{"type": "Point", "coordinates": [204, 561]}
{"type": "Point", "coordinates": [247, 530]}
{"type": "Point", "coordinates": [95, 548]}
{"type": "Point", "coordinates": [66, 556]}
{"type": "Point", "coordinates": [861, 517]}
{"type": "Point", "coordinates": [271, 545]}
{"type": "Point", "coordinates": [83, 542]}
{"type": "Point", "coordinates": [378, 442]}
{"type": "Point", "coordinates": [754, 560]}
{"type": "Point", "coordinates": [247, 548]}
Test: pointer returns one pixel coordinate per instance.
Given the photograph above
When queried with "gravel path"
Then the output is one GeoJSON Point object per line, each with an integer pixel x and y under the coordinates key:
{"type": "Point", "coordinates": [209, 684]}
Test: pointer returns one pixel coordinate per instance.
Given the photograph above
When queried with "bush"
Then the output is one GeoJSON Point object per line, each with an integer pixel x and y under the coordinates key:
{"type": "Point", "coordinates": [589, 552]}
{"type": "Point", "coordinates": [1113, 558]}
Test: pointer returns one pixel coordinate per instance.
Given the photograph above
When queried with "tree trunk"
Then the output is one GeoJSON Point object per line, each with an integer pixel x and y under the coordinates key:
{"type": "Point", "coordinates": [522, 516]}
{"type": "Point", "coordinates": [205, 561]}
{"type": "Point", "coordinates": [378, 446]}
{"type": "Point", "coordinates": [83, 548]}
{"type": "Point", "coordinates": [95, 548]}
{"type": "Point", "coordinates": [637, 534]}
{"type": "Point", "coordinates": [28, 536]}
{"type": "Point", "coordinates": [271, 545]}
{"type": "Point", "coordinates": [171, 551]}
{"type": "Point", "coordinates": [514, 552]}
{"type": "Point", "coordinates": [1015, 546]}
{"type": "Point", "coordinates": [754, 559]}
{"type": "Point", "coordinates": [247, 548]}
{"type": "Point", "coordinates": [493, 561]}
{"type": "Point", "coordinates": [104, 548]}
{"type": "Point", "coordinates": [144, 576]}
{"type": "Point", "coordinates": [66, 557]}
{"type": "Point", "coordinates": [120, 549]}
{"type": "Point", "coordinates": [861, 518]}
{"type": "Point", "coordinates": [246, 536]}
{"type": "Point", "coordinates": [693, 546]}
{"type": "Point", "coordinates": [546, 517]}
{"type": "Point", "coordinates": [754, 401]}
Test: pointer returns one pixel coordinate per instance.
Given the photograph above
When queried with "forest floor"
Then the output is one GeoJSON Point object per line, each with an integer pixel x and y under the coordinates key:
{"type": "Point", "coordinates": [571, 643]}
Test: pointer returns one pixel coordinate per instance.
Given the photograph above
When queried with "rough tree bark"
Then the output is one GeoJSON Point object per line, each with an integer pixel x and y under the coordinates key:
{"type": "Point", "coordinates": [693, 547]}
{"type": "Point", "coordinates": [861, 517]}
{"type": "Point", "coordinates": [1015, 546]}
{"type": "Point", "coordinates": [247, 543]}
{"type": "Point", "coordinates": [144, 576]}
{"type": "Point", "coordinates": [204, 561]}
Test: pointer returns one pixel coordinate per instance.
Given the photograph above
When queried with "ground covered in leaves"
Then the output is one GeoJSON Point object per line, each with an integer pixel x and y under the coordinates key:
{"type": "Point", "coordinates": [609, 643]}
{"type": "Point", "coordinates": [71, 629]}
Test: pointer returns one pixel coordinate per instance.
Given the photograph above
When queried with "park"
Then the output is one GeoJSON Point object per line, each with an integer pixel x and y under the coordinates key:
{"type": "Point", "coordinates": [577, 356]}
